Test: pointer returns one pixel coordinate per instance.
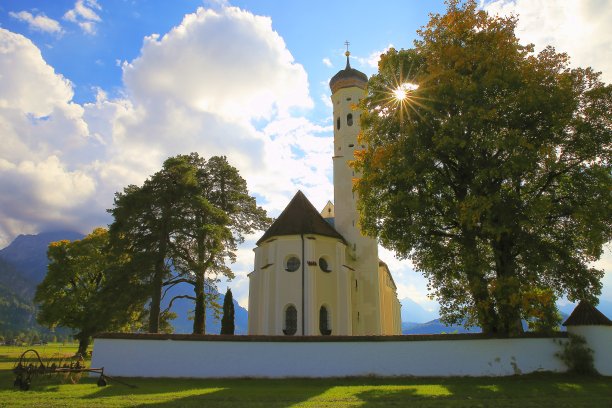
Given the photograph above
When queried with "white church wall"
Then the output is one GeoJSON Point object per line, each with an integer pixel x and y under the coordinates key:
{"type": "Point", "coordinates": [288, 285]}
{"type": "Point", "coordinates": [249, 357]}
{"type": "Point", "coordinates": [599, 339]}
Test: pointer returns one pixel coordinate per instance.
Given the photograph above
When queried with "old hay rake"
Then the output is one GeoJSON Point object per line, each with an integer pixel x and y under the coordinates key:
{"type": "Point", "coordinates": [69, 369]}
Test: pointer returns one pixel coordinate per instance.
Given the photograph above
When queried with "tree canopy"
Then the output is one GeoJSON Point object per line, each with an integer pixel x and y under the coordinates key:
{"type": "Point", "coordinates": [71, 293]}
{"type": "Point", "coordinates": [489, 166]}
{"type": "Point", "coordinates": [183, 227]}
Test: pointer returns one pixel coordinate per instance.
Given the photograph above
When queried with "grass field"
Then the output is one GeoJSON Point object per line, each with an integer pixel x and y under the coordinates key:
{"type": "Point", "coordinates": [542, 390]}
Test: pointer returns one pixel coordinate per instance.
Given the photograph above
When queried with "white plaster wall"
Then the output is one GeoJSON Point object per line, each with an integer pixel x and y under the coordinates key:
{"type": "Point", "coordinates": [207, 359]}
{"type": "Point", "coordinates": [599, 339]}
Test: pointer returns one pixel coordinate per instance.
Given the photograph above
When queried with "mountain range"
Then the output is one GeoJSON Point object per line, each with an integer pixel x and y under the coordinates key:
{"type": "Point", "coordinates": [23, 265]}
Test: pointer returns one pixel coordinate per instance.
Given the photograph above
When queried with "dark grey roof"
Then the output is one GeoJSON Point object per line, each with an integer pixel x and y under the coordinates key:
{"type": "Point", "coordinates": [585, 314]}
{"type": "Point", "coordinates": [348, 77]}
{"type": "Point", "coordinates": [300, 217]}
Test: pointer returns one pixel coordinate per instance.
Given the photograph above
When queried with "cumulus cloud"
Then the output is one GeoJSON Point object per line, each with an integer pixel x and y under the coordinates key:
{"type": "Point", "coordinates": [327, 62]}
{"type": "Point", "coordinates": [582, 29]}
{"type": "Point", "coordinates": [39, 22]}
{"type": "Point", "coordinates": [242, 67]}
{"type": "Point", "coordinates": [84, 15]}
{"type": "Point", "coordinates": [220, 83]}
{"type": "Point", "coordinates": [43, 172]}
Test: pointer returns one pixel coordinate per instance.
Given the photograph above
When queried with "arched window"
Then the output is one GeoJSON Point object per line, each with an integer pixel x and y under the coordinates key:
{"type": "Point", "coordinates": [324, 325]}
{"type": "Point", "coordinates": [338, 123]}
{"type": "Point", "coordinates": [290, 321]}
{"type": "Point", "coordinates": [349, 119]}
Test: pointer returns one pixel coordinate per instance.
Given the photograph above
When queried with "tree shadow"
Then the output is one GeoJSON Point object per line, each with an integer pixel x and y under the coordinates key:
{"type": "Point", "coordinates": [216, 393]}
{"type": "Point", "coordinates": [527, 390]}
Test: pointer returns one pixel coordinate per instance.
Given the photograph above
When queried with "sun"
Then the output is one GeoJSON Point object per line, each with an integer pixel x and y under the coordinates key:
{"type": "Point", "coordinates": [401, 92]}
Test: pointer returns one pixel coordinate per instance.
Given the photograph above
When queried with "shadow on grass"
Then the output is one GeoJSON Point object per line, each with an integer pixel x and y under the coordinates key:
{"type": "Point", "coordinates": [533, 390]}
{"type": "Point", "coordinates": [215, 393]}
{"type": "Point", "coordinates": [526, 391]}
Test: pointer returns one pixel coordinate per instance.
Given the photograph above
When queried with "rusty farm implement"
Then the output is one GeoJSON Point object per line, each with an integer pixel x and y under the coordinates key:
{"type": "Point", "coordinates": [31, 366]}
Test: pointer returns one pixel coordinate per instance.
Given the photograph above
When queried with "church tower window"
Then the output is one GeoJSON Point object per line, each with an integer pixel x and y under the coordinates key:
{"type": "Point", "coordinates": [349, 119]}
{"type": "Point", "coordinates": [293, 264]}
{"type": "Point", "coordinates": [338, 123]}
{"type": "Point", "coordinates": [290, 321]}
{"type": "Point", "coordinates": [324, 325]}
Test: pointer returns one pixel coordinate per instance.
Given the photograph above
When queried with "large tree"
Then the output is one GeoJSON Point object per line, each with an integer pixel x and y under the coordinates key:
{"type": "Point", "coordinates": [219, 211]}
{"type": "Point", "coordinates": [489, 166]}
{"type": "Point", "coordinates": [71, 293]}
{"type": "Point", "coordinates": [183, 227]}
{"type": "Point", "coordinates": [144, 220]}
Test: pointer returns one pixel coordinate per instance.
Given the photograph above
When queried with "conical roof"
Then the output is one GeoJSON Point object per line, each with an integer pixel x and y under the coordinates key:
{"type": "Point", "coordinates": [348, 77]}
{"type": "Point", "coordinates": [300, 217]}
{"type": "Point", "coordinates": [585, 314]}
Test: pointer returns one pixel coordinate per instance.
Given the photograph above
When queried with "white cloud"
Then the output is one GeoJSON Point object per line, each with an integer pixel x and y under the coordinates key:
{"type": "Point", "coordinates": [327, 62]}
{"type": "Point", "coordinates": [84, 14]}
{"type": "Point", "coordinates": [44, 176]}
{"type": "Point", "coordinates": [39, 22]}
{"type": "Point", "coordinates": [240, 66]}
{"type": "Point", "coordinates": [220, 83]}
{"type": "Point", "coordinates": [582, 29]}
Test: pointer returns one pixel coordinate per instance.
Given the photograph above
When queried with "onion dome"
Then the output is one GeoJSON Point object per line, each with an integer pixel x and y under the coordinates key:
{"type": "Point", "coordinates": [348, 78]}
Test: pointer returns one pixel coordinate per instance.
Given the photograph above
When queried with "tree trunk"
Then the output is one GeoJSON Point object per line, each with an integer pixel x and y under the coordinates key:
{"type": "Point", "coordinates": [478, 285]}
{"type": "Point", "coordinates": [199, 318]}
{"type": "Point", "coordinates": [156, 289]}
{"type": "Point", "coordinates": [158, 279]}
{"type": "Point", "coordinates": [83, 344]}
{"type": "Point", "coordinates": [507, 293]}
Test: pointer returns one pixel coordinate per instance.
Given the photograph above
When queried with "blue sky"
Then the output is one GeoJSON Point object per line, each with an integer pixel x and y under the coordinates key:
{"type": "Point", "coordinates": [94, 95]}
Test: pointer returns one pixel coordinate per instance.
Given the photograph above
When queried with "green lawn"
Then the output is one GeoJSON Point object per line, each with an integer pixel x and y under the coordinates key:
{"type": "Point", "coordinates": [542, 390]}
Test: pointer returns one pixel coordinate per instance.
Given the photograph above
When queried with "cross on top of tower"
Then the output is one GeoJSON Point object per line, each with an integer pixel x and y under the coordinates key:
{"type": "Point", "coordinates": [347, 53]}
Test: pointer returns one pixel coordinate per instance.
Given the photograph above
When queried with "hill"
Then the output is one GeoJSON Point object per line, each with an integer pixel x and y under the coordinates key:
{"type": "Point", "coordinates": [28, 253]}
{"type": "Point", "coordinates": [414, 312]}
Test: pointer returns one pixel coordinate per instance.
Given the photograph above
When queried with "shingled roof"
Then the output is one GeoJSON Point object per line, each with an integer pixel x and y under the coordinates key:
{"type": "Point", "coordinates": [585, 314]}
{"type": "Point", "coordinates": [300, 217]}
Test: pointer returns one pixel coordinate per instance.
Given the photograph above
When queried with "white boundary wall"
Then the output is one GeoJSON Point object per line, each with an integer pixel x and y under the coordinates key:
{"type": "Point", "coordinates": [599, 339]}
{"type": "Point", "coordinates": [138, 357]}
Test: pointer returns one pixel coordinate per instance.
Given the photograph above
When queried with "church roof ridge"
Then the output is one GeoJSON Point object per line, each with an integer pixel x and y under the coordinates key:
{"type": "Point", "coordinates": [300, 217]}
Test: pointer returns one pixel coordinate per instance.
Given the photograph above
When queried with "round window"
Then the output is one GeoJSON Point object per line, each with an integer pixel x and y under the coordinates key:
{"type": "Point", "coordinates": [324, 265]}
{"type": "Point", "coordinates": [293, 263]}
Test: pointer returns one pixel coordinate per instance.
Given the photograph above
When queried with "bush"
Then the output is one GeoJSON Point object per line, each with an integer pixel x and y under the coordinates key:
{"type": "Point", "coordinates": [577, 356]}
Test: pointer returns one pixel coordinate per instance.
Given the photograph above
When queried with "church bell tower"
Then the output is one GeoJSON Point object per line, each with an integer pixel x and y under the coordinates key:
{"type": "Point", "coordinates": [348, 87]}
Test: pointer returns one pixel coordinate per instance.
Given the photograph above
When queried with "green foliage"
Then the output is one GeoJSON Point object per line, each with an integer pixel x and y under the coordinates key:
{"type": "Point", "coordinates": [227, 322]}
{"type": "Point", "coordinates": [73, 291]}
{"type": "Point", "coordinates": [577, 355]}
{"type": "Point", "coordinates": [494, 175]}
{"type": "Point", "coordinates": [183, 226]}
{"type": "Point", "coordinates": [15, 311]}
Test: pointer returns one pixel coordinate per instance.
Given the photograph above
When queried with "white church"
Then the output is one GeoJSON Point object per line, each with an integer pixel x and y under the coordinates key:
{"type": "Point", "coordinates": [315, 273]}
